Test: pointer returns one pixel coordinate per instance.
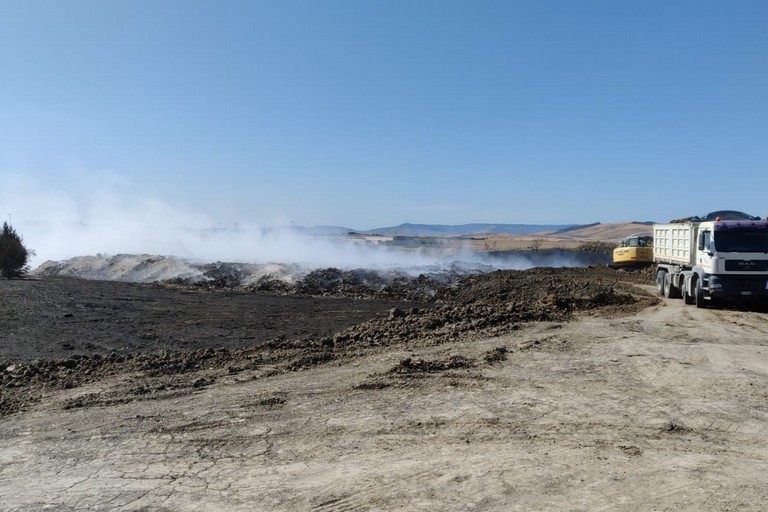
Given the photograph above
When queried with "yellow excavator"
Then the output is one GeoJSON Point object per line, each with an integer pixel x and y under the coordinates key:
{"type": "Point", "coordinates": [635, 249]}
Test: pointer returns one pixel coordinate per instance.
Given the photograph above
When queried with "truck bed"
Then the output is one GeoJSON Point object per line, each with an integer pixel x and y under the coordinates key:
{"type": "Point", "coordinates": [673, 243]}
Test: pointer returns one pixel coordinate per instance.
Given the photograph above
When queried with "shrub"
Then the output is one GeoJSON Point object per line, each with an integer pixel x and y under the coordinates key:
{"type": "Point", "coordinates": [13, 255]}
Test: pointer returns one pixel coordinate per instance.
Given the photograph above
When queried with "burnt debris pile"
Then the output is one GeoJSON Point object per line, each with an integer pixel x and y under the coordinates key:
{"type": "Point", "coordinates": [497, 302]}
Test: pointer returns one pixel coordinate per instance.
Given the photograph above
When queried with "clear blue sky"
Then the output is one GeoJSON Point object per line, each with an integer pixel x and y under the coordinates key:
{"type": "Point", "coordinates": [368, 113]}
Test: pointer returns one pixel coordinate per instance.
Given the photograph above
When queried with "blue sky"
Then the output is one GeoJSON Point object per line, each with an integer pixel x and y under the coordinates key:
{"type": "Point", "coordinates": [374, 113]}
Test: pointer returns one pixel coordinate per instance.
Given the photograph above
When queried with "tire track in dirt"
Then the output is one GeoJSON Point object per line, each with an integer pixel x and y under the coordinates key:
{"type": "Point", "coordinates": [339, 497]}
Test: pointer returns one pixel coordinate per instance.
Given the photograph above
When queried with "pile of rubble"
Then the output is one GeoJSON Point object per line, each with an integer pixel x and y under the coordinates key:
{"type": "Point", "coordinates": [495, 303]}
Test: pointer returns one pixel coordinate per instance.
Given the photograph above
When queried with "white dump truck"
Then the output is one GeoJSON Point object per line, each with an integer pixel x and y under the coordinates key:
{"type": "Point", "coordinates": [709, 260]}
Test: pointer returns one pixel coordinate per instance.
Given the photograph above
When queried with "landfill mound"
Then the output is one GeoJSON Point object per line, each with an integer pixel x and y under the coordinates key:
{"type": "Point", "coordinates": [409, 283]}
{"type": "Point", "coordinates": [133, 268]}
{"type": "Point", "coordinates": [69, 332]}
{"type": "Point", "coordinates": [393, 280]}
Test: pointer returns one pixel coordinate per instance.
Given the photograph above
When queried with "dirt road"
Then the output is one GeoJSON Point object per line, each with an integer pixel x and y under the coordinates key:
{"type": "Point", "coordinates": [665, 409]}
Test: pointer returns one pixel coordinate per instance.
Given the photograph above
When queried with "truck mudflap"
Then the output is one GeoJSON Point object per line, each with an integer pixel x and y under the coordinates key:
{"type": "Point", "coordinates": [737, 286]}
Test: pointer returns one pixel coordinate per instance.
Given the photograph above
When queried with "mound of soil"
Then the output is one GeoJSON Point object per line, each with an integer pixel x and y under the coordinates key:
{"type": "Point", "coordinates": [495, 303]}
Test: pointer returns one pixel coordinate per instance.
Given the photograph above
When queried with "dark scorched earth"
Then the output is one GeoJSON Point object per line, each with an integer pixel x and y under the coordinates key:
{"type": "Point", "coordinates": [175, 336]}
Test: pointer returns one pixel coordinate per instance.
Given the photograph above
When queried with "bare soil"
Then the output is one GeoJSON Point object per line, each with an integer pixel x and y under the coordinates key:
{"type": "Point", "coordinates": [548, 389]}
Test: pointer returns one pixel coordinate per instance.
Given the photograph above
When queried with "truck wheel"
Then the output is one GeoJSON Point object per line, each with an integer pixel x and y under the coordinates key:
{"type": "Point", "coordinates": [670, 291]}
{"type": "Point", "coordinates": [660, 282]}
{"type": "Point", "coordinates": [698, 294]}
{"type": "Point", "coordinates": [687, 297]}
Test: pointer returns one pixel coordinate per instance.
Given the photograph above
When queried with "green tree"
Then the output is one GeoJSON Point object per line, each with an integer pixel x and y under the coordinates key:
{"type": "Point", "coordinates": [13, 255]}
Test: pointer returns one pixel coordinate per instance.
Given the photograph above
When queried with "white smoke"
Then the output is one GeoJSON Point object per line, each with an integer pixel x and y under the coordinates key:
{"type": "Point", "coordinates": [104, 215]}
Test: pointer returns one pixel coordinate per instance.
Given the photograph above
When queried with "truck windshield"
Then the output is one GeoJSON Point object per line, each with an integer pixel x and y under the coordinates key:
{"type": "Point", "coordinates": [637, 241]}
{"type": "Point", "coordinates": [741, 241]}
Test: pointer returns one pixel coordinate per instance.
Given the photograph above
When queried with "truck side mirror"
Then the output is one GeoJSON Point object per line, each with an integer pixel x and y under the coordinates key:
{"type": "Point", "coordinates": [701, 241]}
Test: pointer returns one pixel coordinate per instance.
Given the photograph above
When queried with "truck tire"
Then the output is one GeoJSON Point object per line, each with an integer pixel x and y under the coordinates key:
{"type": "Point", "coordinates": [660, 281]}
{"type": "Point", "coordinates": [698, 294]}
{"type": "Point", "coordinates": [670, 291]}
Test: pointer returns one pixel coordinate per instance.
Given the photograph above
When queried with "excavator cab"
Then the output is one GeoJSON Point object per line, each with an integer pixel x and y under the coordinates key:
{"type": "Point", "coordinates": [635, 249]}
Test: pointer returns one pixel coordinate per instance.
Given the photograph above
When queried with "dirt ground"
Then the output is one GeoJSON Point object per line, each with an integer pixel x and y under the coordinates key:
{"type": "Point", "coordinates": [547, 389]}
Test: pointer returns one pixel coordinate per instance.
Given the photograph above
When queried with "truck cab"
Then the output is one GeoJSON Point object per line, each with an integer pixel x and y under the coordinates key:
{"type": "Point", "coordinates": [732, 258]}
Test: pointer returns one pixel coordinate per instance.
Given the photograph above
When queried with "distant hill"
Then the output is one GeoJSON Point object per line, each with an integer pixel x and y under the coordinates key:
{"type": "Point", "coordinates": [599, 231]}
{"type": "Point", "coordinates": [437, 230]}
{"type": "Point", "coordinates": [574, 228]}
{"type": "Point", "coordinates": [594, 231]}
{"type": "Point", "coordinates": [431, 230]}
{"type": "Point", "coordinates": [322, 230]}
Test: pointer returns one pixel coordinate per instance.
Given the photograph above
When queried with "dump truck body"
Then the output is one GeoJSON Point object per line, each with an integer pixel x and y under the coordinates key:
{"type": "Point", "coordinates": [674, 243]}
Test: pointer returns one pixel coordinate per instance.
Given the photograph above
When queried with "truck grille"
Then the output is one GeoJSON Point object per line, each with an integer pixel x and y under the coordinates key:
{"type": "Point", "coordinates": [746, 265]}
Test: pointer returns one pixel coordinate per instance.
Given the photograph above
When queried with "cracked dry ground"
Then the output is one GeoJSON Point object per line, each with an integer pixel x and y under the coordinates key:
{"type": "Point", "coordinates": [551, 389]}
